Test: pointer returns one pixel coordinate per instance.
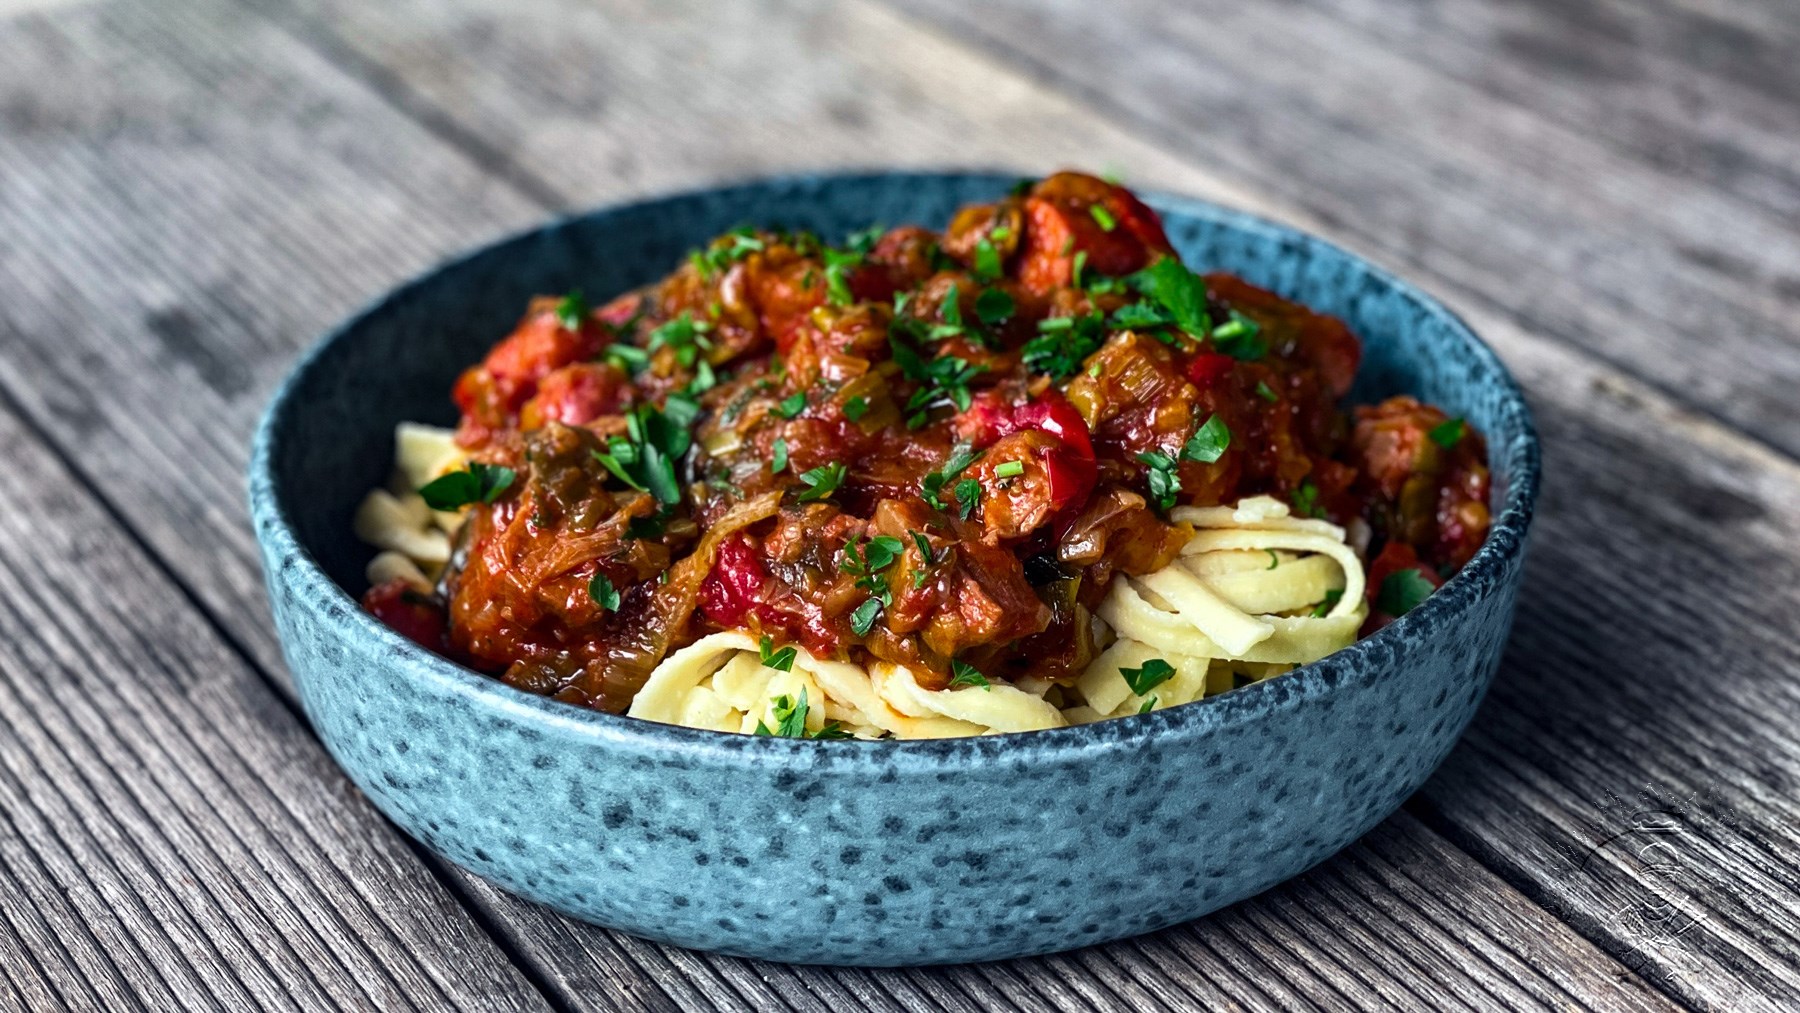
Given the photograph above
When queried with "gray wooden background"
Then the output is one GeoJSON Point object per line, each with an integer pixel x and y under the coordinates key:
{"type": "Point", "coordinates": [190, 190]}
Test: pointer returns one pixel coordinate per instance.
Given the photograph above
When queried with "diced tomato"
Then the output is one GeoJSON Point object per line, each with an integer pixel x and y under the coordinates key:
{"type": "Point", "coordinates": [1208, 368]}
{"type": "Point", "coordinates": [407, 612]}
{"type": "Point", "coordinates": [735, 584]}
{"type": "Point", "coordinates": [575, 395]}
{"type": "Point", "coordinates": [1071, 469]}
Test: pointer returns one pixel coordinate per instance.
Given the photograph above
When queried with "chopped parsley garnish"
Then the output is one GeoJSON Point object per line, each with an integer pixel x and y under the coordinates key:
{"type": "Point", "coordinates": [822, 481]}
{"type": "Point", "coordinates": [778, 460]}
{"type": "Point", "coordinates": [629, 358]}
{"type": "Point", "coordinates": [1147, 705]}
{"type": "Point", "coordinates": [1063, 344]}
{"type": "Point", "coordinates": [924, 545]}
{"type": "Point", "coordinates": [1306, 500]}
{"type": "Point", "coordinates": [1164, 482]}
{"type": "Point", "coordinates": [968, 493]}
{"type": "Point", "coordinates": [838, 265]}
{"type": "Point", "coordinates": [1103, 217]}
{"type": "Point", "coordinates": [646, 528]}
{"type": "Point", "coordinates": [1274, 560]}
{"type": "Point", "coordinates": [865, 240]}
{"type": "Point", "coordinates": [1448, 434]}
{"type": "Point", "coordinates": [1141, 316]}
{"type": "Point", "coordinates": [733, 246]}
{"type": "Point", "coordinates": [1079, 266]}
{"type": "Point", "coordinates": [792, 405]}
{"type": "Point", "coordinates": [945, 378]}
{"type": "Point", "coordinates": [961, 456]}
{"type": "Point", "coordinates": [604, 594]}
{"type": "Point", "coordinates": [1209, 442]}
{"type": "Point", "coordinates": [856, 408]}
{"type": "Point", "coordinates": [1267, 393]}
{"type": "Point", "coordinates": [571, 310]}
{"type": "Point", "coordinates": [478, 483]}
{"type": "Point", "coordinates": [1331, 599]}
{"type": "Point", "coordinates": [863, 619]}
{"type": "Point", "coordinates": [987, 258]}
{"type": "Point", "coordinates": [1153, 673]}
{"type": "Point", "coordinates": [994, 305]}
{"type": "Point", "coordinates": [790, 721]}
{"type": "Point", "coordinates": [1240, 338]}
{"type": "Point", "coordinates": [1179, 291]}
{"type": "Point", "coordinates": [1401, 592]}
{"type": "Point", "coordinates": [685, 335]}
{"type": "Point", "coordinates": [1010, 469]}
{"type": "Point", "coordinates": [1021, 186]}
{"type": "Point", "coordinates": [654, 441]}
{"type": "Point", "coordinates": [704, 379]}
{"type": "Point", "coordinates": [780, 660]}
{"type": "Point", "coordinates": [965, 674]}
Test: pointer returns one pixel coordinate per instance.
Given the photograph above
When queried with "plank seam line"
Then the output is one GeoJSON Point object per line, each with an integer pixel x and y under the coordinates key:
{"type": "Point", "coordinates": [394, 92]}
{"type": "Point", "coordinates": [11, 403]}
{"type": "Point", "coordinates": [48, 980]}
{"type": "Point", "coordinates": [208, 850]}
{"type": "Point", "coordinates": [1124, 116]}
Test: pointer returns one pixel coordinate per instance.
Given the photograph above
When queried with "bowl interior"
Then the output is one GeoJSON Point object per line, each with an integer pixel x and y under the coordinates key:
{"type": "Point", "coordinates": [329, 434]}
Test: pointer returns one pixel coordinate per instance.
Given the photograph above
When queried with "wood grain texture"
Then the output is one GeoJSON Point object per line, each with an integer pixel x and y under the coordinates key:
{"type": "Point", "coordinates": [224, 238]}
{"type": "Point", "coordinates": [1615, 175]}
{"type": "Point", "coordinates": [1572, 678]}
{"type": "Point", "coordinates": [171, 835]}
{"type": "Point", "coordinates": [190, 351]}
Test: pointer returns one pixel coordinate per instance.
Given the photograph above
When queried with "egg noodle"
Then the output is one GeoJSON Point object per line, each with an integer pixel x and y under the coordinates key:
{"type": "Point", "coordinates": [1254, 593]}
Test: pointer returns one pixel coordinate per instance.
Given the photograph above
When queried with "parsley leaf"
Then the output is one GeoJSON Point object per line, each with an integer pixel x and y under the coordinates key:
{"type": "Point", "coordinates": [1063, 344]}
{"type": "Point", "coordinates": [924, 545]}
{"type": "Point", "coordinates": [478, 483]}
{"type": "Point", "coordinates": [822, 481]}
{"type": "Point", "coordinates": [779, 459]}
{"type": "Point", "coordinates": [1103, 217]}
{"type": "Point", "coordinates": [1274, 560]}
{"type": "Point", "coordinates": [838, 265]}
{"type": "Point", "coordinates": [1178, 290]}
{"type": "Point", "coordinates": [987, 259]}
{"type": "Point", "coordinates": [965, 674]}
{"type": "Point", "coordinates": [685, 335]}
{"type": "Point", "coordinates": [1448, 434]}
{"type": "Point", "coordinates": [865, 240]}
{"type": "Point", "coordinates": [1209, 442]}
{"type": "Point", "coordinates": [1153, 673]}
{"type": "Point", "coordinates": [629, 358]}
{"type": "Point", "coordinates": [1147, 705]}
{"type": "Point", "coordinates": [1240, 338]}
{"type": "Point", "coordinates": [792, 405]}
{"type": "Point", "coordinates": [968, 493]}
{"type": "Point", "coordinates": [1164, 482]}
{"type": "Point", "coordinates": [571, 310]}
{"type": "Point", "coordinates": [856, 408]}
{"type": "Point", "coordinates": [1079, 266]}
{"type": "Point", "coordinates": [654, 441]}
{"type": "Point", "coordinates": [961, 456]}
{"type": "Point", "coordinates": [1401, 592]}
{"type": "Point", "coordinates": [1331, 599]}
{"type": "Point", "coordinates": [601, 590]}
{"type": "Point", "coordinates": [994, 305]}
{"type": "Point", "coordinates": [1306, 500]}
{"type": "Point", "coordinates": [780, 660]}
{"type": "Point", "coordinates": [1267, 393]}
{"type": "Point", "coordinates": [863, 619]}
{"type": "Point", "coordinates": [790, 717]}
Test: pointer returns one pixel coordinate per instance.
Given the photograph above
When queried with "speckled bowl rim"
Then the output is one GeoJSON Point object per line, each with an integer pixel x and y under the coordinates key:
{"type": "Point", "coordinates": [1258, 701]}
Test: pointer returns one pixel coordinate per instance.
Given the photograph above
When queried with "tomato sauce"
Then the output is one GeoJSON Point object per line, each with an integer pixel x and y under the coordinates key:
{"type": "Point", "coordinates": [910, 446]}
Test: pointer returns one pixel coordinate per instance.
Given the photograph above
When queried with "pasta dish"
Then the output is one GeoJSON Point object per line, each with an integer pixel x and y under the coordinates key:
{"type": "Point", "coordinates": [1026, 472]}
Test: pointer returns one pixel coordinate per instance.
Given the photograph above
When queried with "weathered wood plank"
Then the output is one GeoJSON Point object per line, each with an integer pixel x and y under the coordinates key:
{"type": "Point", "coordinates": [1632, 428]}
{"type": "Point", "coordinates": [173, 835]}
{"type": "Point", "coordinates": [1668, 275]}
{"type": "Point", "coordinates": [282, 241]}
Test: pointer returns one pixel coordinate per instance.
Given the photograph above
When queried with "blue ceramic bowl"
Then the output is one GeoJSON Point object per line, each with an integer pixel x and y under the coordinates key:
{"type": "Point", "coordinates": [883, 853]}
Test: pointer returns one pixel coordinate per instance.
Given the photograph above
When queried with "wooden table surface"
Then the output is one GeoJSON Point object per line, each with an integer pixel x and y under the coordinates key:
{"type": "Point", "coordinates": [191, 190]}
